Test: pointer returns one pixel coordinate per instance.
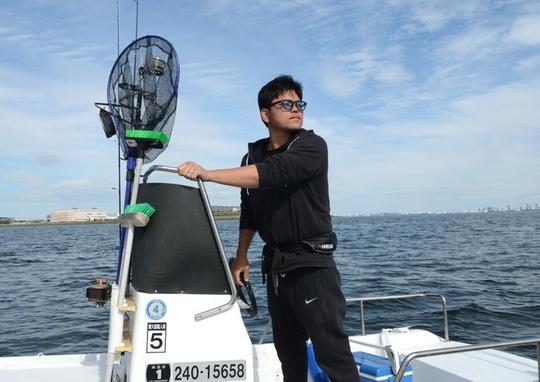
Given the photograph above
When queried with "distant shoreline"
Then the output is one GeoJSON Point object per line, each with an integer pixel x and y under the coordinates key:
{"type": "Point", "coordinates": [40, 224]}
{"type": "Point", "coordinates": [34, 224]}
{"type": "Point", "coordinates": [237, 217]}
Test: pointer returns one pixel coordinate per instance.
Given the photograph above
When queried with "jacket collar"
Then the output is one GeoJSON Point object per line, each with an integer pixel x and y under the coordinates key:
{"type": "Point", "coordinates": [257, 148]}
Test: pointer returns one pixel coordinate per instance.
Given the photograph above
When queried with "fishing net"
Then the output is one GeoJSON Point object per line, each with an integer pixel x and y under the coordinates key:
{"type": "Point", "coordinates": [142, 94]}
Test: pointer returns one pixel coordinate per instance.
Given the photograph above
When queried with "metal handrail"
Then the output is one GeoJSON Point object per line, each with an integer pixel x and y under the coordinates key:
{"type": "Point", "coordinates": [158, 168]}
{"type": "Point", "coordinates": [466, 348]}
{"type": "Point", "coordinates": [361, 300]}
{"type": "Point", "coordinates": [222, 308]}
{"type": "Point", "coordinates": [391, 354]}
{"type": "Point", "coordinates": [202, 190]}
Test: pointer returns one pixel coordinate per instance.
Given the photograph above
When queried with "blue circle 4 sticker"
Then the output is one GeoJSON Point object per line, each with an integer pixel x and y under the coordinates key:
{"type": "Point", "coordinates": [156, 309]}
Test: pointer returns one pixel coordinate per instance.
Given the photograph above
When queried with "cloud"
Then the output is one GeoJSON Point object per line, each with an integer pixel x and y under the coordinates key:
{"type": "Point", "coordinates": [13, 93]}
{"type": "Point", "coordinates": [526, 30]}
{"type": "Point", "coordinates": [473, 44]}
{"type": "Point", "coordinates": [28, 39]}
{"type": "Point", "coordinates": [71, 185]}
{"type": "Point", "coordinates": [529, 63]}
{"type": "Point", "coordinates": [18, 37]}
{"type": "Point", "coordinates": [86, 53]}
{"type": "Point", "coordinates": [433, 16]}
{"type": "Point", "coordinates": [479, 150]}
{"type": "Point", "coordinates": [9, 34]}
{"type": "Point", "coordinates": [23, 176]}
{"type": "Point", "coordinates": [506, 109]}
{"type": "Point", "coordinates": [490, 39]}
{"type": "Point", "coordinates": [49, 159]}
{"type": "Point", "coordinates": [197, 136]}
{"type": "Point", "coordinates": [51, 137]}
{"type": "Point", "coordinates": [313, 14]}
{"type": "Point", "coordinates": [364, 65]}
{"type": "Point", "coordinates": [337, 81]}
{"type": "Point", "coordinates": [348, 73]}
{"type": "Point", "coordinates": [46, 189]}
{"type": "Point", "coordinates": [68, 190]}
{"type": "Point", "coordinates": [51, 114]}
{"type": "Point", "coordinates": [214, 79]}
{"type": "Point", "coordinates": [320, 15]}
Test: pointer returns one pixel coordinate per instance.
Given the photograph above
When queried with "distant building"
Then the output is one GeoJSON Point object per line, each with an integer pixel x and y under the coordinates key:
{"type": "Point", "coordinates": [225, 210]}
{"type": "Point", "coordinates": [77, 215]}
{"type": "Point", "coordinates": [5, 220]}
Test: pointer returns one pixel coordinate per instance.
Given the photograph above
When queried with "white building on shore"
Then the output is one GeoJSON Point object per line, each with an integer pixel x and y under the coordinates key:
{"type": "Point", "coordinates": [78, 215]}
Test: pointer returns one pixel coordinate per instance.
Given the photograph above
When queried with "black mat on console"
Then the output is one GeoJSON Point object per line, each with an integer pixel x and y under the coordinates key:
{"type": "Point", "coordinates": [177, 251]}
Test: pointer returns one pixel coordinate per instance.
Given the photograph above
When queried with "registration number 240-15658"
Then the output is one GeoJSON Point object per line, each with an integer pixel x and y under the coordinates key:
{"type": "Point", "coordinates": [210, 371]}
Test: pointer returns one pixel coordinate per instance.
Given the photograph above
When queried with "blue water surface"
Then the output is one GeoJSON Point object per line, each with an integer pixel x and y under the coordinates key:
{"type": "Point", "coordinates": [486, 264]}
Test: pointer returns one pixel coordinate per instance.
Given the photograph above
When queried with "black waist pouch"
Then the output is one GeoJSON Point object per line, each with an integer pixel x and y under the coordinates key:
{"type": "Point", "coordinates": [325, 244]}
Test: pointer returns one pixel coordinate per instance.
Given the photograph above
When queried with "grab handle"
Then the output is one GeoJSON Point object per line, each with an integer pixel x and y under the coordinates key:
{"type": "Point", "coordinates": [158, 168]}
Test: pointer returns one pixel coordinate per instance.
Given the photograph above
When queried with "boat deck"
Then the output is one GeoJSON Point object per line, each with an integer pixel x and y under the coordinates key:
{"type": "Point", "coordinates": [480, 366]}
{"type": "Point", "coordinates": [57, 368]}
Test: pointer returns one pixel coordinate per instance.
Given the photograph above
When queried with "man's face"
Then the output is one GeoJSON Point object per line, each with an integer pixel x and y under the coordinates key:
{"type": "Point", "coordinates": [276, 117]}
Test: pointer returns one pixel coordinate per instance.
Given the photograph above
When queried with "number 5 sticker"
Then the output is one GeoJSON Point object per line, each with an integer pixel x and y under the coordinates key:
{"type": "Point", "coordinates": [156, 337]}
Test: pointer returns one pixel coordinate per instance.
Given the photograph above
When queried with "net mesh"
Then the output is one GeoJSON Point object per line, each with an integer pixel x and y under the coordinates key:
{"type": "Point", "coordinates": [143, 89]}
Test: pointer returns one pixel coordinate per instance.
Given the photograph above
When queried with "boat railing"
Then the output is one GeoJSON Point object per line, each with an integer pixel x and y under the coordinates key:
{"type": "Point", "coordinates": [467, 348]}
{"type": "Point", "coordinates": [400, 372]}
{"type": "Point", "coordinates": [362, 300]}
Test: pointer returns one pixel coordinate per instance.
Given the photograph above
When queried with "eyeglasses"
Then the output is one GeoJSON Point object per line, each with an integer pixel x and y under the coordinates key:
{"type": "Point", "coordinates": [287, 105]}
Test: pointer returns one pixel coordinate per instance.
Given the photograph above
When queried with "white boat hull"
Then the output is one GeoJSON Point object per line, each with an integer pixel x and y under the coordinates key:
{"type": "Point", "coordinates": [479, 366]}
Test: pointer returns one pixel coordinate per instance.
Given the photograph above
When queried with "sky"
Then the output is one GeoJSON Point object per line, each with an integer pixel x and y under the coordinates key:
{"type": "Point", "coordinates": [425, 105]}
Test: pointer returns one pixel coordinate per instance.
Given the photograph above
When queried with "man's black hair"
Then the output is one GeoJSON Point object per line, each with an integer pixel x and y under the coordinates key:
{"type": "Point", "coordinates": [275, 88]}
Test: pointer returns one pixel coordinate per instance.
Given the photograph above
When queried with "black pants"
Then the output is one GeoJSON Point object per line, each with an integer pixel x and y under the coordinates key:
{"type": "Point", "coordinates": [310, 304]}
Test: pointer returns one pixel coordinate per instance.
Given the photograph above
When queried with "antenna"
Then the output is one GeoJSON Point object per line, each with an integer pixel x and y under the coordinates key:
{"type": "Point", "coordinates": [136, 19]}
{"type": "Point", "coordinates": [119, 186]}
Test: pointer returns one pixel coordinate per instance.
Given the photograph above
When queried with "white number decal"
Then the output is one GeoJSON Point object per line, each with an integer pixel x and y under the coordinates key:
{"type": "Point", "coordinates": [156, 337]}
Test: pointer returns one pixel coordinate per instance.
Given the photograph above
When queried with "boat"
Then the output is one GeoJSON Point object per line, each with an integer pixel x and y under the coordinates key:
{"type": "Point", "coordinates": [181, 319]}
{"type": "Point", "coordinates": [175, 312]}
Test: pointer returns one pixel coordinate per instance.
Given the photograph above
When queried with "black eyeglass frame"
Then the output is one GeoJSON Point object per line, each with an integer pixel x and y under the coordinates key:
{"type": "Point", "coordinates": [288, 104]}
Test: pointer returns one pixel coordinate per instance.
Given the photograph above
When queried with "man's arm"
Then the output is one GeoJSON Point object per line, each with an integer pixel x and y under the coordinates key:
{"type": "Point", "coordinates": [245, 176]}
{"type": "Point", "coordinates": [305, 158]}
{"type": "Point", "coordinates": [240, 267]}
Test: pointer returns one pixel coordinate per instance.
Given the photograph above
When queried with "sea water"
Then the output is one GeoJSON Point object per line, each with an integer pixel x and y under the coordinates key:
{"type": "Point", "coordinates": [486, 264]}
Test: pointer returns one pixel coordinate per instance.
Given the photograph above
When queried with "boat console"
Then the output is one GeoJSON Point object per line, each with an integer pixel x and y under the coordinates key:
{"type": "Point", "coordinates": [187, 324]}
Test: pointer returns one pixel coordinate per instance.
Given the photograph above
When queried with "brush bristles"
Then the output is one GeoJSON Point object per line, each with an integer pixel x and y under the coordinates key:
{"type": "Point", "coordinates": [143, 208]}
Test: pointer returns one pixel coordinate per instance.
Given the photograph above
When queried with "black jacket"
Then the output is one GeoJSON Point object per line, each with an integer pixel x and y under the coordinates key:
{"type": "Point", "coordinates": [291, 204]}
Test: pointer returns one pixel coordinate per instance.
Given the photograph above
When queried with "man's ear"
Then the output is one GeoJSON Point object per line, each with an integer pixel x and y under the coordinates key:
{"type": "Point", "coordinates": [265, 116]}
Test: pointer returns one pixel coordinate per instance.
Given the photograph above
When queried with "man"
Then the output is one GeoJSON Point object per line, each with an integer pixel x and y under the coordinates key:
{"type": "Point", "coordinates": [285, 198]}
